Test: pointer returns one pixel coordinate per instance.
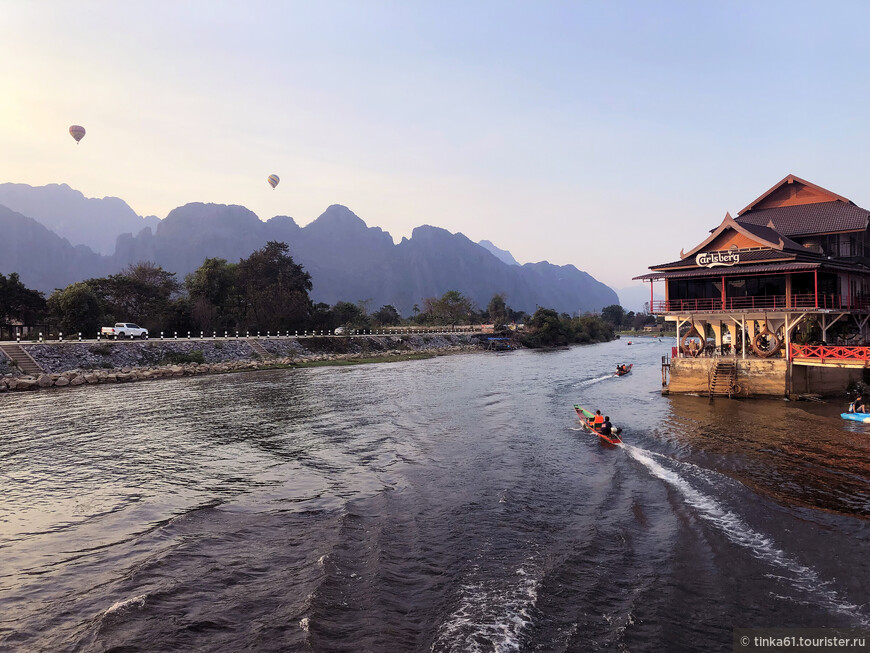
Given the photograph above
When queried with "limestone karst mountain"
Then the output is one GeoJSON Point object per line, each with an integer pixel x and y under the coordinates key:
{"type": "Point", "coordinates": [347, 260]}
{"type": "Point", "coordinates": [89, 221]}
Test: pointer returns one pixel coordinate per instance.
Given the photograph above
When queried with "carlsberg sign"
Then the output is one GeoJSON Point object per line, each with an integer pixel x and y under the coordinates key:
{"type": "Point", "coordinates": [712, 259]}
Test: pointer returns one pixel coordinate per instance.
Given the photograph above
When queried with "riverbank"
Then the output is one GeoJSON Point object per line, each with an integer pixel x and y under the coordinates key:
{"type": "Point", "coordinates": [73, 364]}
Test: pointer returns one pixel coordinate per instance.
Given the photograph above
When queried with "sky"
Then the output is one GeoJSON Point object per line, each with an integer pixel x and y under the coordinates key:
{"type": "Point", "coordinates": [607, 135]}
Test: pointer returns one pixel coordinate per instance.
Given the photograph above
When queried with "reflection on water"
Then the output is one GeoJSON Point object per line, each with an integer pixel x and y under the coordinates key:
{"type": "Point", "coordinates": [796, 452]}
{"type": "Point", "coordinates": [443, 505]}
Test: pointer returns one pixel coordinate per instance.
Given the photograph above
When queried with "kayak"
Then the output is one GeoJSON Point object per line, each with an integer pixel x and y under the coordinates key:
{"type": "Point", "coordinates": [585, 417]}
{"type": "Point", "coordinates": [627, 370]}
{"type": "Point", "coordinates": [858, 417]}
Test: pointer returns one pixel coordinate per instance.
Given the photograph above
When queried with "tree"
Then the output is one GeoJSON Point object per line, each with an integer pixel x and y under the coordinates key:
{"type": "Point", "coordinates": [350, 315]}
{"type": "Point", "coordinates": [640, 320]}
{"type": "Point", "coordinates": [77, 308]}
{"type": "Point", "coordinates": [613, 314]}
{"type": "Point", "coordinates": [213, 296]}
{"type": "Point", "coordinates": [154, 275]}
{"type": "Point", "coordinates": [547, 329]}
{"type": "Point", "coordinates": [18, 302]}
{"type": "Point", "coordinates": [387, 316]}
{"type": "Point", "coordinates": [497, 310]}
{"type": "Point", "coordinates": [273, 290]}
{"type": "Point", "coordinates": [451, 308]}
{"type": "Point", "coordinates": [140, 294]}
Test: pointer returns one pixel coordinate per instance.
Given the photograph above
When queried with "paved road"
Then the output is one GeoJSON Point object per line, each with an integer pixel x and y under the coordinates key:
{"type": "Point", "coordinates": [304, 334]}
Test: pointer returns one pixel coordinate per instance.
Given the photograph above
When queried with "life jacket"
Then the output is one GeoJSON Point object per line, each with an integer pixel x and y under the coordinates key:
{"type": "Point", "coordinates": [599, 419]}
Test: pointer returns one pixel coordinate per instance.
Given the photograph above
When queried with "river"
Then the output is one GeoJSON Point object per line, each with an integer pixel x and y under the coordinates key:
{"type": "Point", "coordinates": [448, 504]}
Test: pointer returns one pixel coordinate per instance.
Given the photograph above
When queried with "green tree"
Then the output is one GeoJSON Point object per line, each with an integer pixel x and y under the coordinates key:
{"type": "Point", "coordinates": [76, 308]}
{"type": "Point", "coordinates": [547, 329]}
{"type": "Point", "coordinates": [321, 318]}
{"type": "Point", "coordinates": [146, 272]}
{"type": "Point", "coordinates": [350, 315]}
{"type": "Point", "coordinates": [613, 314]}
{"type": "Point", "coordinates": [214, 301]}
{"type": "Point", "coordinates": [497, 310]}
{"type": "Point", "coordinates": [18, 302]}
{"type": "Point", "coordinates": [273, 290]}
{"type": "Point", "coordinates": [141, 294]}
{"type": "Point", "coordinates": [451, 308]}
{"type": "Point", "coordinates": [387, 316]}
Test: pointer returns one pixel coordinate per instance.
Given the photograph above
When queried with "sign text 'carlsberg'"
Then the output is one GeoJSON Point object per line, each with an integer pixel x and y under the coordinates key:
{"type": "Point", "coordinates": [712, 259]}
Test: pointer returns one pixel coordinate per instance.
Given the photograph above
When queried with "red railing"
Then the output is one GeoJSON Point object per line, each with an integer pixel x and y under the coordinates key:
{"type": "Point", "coordinates": [830, 352]}
{"type": "Point", "coordinates": [765, 302]}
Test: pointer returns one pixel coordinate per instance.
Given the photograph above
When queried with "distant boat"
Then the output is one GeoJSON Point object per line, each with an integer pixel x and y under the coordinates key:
{"type": "Point", "coordinates": [629, 342]}
{"type": "Point", "coordinates": [625, 370]}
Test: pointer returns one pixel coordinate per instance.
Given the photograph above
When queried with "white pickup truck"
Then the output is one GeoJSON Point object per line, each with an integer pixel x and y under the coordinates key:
{"type": "Point", "coordinates": [124, 330]}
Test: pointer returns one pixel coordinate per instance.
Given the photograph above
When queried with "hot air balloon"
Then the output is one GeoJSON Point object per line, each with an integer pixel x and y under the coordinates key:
{"type": "Point", "coordinates": [273, 181]}
{"type": "Point", "coordinates": [77, 132]}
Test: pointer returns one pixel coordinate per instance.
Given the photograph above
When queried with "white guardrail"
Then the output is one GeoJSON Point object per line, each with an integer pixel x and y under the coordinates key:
{"type": "Point", "coordinates": [237, 335]}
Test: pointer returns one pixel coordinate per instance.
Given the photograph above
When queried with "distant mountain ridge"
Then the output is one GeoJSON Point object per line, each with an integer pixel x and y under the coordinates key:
{"type": "Point", "coordinates": [501, 254]}
{"type": "Point", "coordinates": [93, 222]}
{"type": "Point", "coordinates": [347, 260]}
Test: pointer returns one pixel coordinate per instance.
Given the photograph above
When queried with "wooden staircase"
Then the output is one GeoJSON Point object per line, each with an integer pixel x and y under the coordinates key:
{"type": "Point", "coordinates": [22, 359]}
{"type": "Point", "coordinates": [257, 347]}
{"type": "Point", "coordinates": [723, 379]}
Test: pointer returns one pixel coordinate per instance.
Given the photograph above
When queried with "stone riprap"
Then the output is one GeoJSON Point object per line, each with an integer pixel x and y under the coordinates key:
{"type": "Point", "coordinates": [6, 366]}
{"type": "Point", "coordinates": [61, 357]}
{"type": "Point", "coordinates": [75, 364]}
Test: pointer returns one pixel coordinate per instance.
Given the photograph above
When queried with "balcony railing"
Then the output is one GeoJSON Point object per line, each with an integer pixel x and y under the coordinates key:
{"type": "Point", "coordinates": [762, 302]}
{"type": "Point", "coordinates": [831, 353]}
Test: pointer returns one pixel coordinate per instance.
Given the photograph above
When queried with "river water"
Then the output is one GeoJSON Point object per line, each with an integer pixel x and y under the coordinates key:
{"type": "Point", "coordinates": [449, 504]}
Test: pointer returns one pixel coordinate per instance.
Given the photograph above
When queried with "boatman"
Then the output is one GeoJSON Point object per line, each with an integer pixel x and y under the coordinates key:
{"type": "Point", "coordinates": [606, 427]}
{"type": "Point", "coordinates": [859, 405]}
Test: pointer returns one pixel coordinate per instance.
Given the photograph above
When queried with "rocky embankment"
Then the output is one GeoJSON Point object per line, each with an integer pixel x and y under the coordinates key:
{"type": "Point", "coordinates": [74, 363]}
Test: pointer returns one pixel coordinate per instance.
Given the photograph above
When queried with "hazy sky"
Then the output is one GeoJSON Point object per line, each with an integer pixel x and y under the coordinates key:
{"type": "Point", "coordinates": [608, 134]}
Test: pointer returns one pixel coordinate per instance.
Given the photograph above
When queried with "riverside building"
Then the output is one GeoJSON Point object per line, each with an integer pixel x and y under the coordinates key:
{"type": "Point", "coordinates": [776, 301]}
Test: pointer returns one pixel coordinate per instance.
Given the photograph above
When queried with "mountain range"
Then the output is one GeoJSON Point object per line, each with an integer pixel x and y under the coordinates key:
{"type": "Point", "coordinates": [53, 236]}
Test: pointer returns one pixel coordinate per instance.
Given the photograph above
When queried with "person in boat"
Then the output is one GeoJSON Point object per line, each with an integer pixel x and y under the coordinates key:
{"type": "Point", "coordinates": [620, 369]}
{"type": "Point", "coordinates": [606, 427]}
{"type": "Point", "coordinates": [597, 420]}
{"type": "Point", "coordinates": [858, 405]}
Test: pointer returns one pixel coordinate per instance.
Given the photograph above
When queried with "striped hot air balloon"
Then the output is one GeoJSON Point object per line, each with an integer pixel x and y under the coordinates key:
{"type": "Point", "coordinates": [273, 181]}
{"type": "Point", "coordinates": [77, 132]}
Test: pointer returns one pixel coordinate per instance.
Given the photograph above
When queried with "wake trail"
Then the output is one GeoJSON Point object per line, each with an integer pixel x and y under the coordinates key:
{"type": "Point", "coordinates": [597, 379]}
{"type": "Point", "coordinates": [804, 579]}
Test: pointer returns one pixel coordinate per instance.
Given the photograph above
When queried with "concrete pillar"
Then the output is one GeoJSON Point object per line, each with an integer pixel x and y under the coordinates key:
{"type": "Point", "coordinates": [717, 332]}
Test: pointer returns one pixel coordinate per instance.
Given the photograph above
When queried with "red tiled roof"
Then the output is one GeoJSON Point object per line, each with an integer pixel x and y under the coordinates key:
{"type": "Point", "coordinates": [805, 219]}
